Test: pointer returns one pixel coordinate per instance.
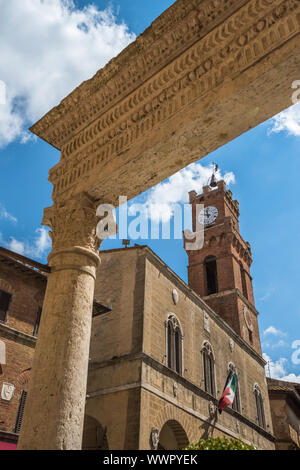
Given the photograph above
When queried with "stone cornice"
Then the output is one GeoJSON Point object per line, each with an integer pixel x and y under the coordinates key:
{"type": "Point", "coordinates": [16, 335]}
{"type": "Point", "coordinates": [201, 49]}
{"type": "Point", "coordinates": [179, 27]}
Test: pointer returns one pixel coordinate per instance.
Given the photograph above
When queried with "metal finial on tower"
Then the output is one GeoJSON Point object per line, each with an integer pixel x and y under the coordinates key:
{"type": "Point", "coordinates": [126, 243]}
{"type": "Point", "coordinates": [213, 180]}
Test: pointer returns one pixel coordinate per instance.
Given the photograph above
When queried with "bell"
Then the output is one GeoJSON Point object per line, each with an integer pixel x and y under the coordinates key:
{"type": "Point", "coordinates": [213, 182]}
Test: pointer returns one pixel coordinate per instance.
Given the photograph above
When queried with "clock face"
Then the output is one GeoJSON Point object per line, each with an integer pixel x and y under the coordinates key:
{"type": "Point", "coordinates": [208, 215]}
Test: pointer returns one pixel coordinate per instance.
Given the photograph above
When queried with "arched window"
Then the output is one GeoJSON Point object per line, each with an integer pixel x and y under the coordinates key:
{"type": "Point", "coordinates": [243, 279]}
{"type": "Point", "coordinates": [259, 407]}
{"type": "Point", "coordinates": [210, 264]}
{"type": "Point", "coordinates": [208, 369]}
{"type": "Point", "coordinates": [236, 405]}
{"type": "Point", "coordinates": [174, 341]}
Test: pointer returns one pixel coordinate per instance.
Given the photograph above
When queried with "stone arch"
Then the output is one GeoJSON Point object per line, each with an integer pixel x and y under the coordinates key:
{"type": "Point", "coordinates": [172, 436]}
{"type": "Point", "coordinates": [6, 286]}
{"type": "Point", "coordinates": [23, 379]}
{"type": "Point", "coordinates": [171, 414]}
{"type": "Point", "coordinates": [94, 435]}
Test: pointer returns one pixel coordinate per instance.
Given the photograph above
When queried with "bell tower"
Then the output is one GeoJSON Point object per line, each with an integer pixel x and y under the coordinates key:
{"type": "Point", "coordinates": [220, 271]}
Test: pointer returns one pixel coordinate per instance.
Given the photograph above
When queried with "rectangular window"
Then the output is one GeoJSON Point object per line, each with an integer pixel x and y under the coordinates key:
{"type": "Point", "coordinates": [5, 298]}
{"type": "Point", "coordinates": [20, 412]}
{"type": "Point", "coordinates": [37, 323]}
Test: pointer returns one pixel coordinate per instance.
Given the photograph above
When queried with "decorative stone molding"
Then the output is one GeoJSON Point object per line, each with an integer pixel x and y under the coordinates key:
{"type": "Point", "coordinates": [163, 72]}
{"type": "Point", "coordinates": [174, 31]}
{"type": "Point", "coordinates": [7, 391]}
{"type": "Point", "coordinates": [175, 389]}
{"type": "Point", "coordinates": [23, 379]}
{"type": "Point", "coordinates": [211, 409]}
{"type": "Point", "coordinates": [175, 323]}
{"type": "Point", "coordinates": [73, 224]}
{"type": "Point", "coordinates": [175, 296]}
{"type": "Point", "coordinates": [154, 437]}
{"type": "Point", "coordinates": [206, 322]}
{"type": "Point", "coordinates": [6, 286]}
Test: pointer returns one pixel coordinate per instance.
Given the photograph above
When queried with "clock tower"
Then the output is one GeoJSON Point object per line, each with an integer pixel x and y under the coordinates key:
{"type": "Point", "coordinates": [220, 271]}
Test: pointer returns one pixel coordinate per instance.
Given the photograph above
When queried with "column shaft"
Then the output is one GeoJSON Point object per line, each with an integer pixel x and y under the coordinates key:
{"type": "Point", "coordinates": [54, 410]}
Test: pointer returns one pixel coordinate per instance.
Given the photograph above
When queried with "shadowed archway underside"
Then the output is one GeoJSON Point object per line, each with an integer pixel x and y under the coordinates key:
{"type": "Point", "coordinates": [172, 436]}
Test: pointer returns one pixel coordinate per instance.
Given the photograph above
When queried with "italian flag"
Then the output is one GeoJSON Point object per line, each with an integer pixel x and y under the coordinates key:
{"type": "Point", "coordinates": [229, 392]}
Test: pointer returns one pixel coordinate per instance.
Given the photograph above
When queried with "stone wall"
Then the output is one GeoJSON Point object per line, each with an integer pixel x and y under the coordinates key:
{"type": "Point", "coordinates": [139, 286]}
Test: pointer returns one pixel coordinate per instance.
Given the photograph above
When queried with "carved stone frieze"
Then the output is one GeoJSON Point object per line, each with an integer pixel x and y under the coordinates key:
{"type": "Point", "coordinates": [173, 32]}
{"type": "Point", "coordinates": [7, 391]}
{"type": "Point", "coordinates": [73, 224]}
{"type": "Point", "coordinates": [240, 41]}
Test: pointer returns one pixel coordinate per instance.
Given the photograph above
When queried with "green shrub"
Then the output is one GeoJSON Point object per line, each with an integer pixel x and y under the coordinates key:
{"type": "Point", "coordinates": [220, 443]}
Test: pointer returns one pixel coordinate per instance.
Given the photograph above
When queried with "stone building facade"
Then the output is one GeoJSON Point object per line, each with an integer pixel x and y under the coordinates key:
{"type": "Point", "coordinates": [22, 287]}
{"type": "Point", "coordinates": [285, 409]}
{"type": "Point", "coordinates": [160, 353]}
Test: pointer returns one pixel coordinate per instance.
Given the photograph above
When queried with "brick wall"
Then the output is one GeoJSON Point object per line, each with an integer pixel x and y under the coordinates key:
{"type": "Point", "coordinates": [27, 292]}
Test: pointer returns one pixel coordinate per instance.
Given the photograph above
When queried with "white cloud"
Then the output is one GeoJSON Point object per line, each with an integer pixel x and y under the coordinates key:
{"type": "Point", "coordinates": [291, 378]}
{"type": "Point", "coordinates": [35, 249]}
{"type": "Point", "coordinates": [6, 215]}
{"type": "Point", "coordinates": [274, 331]}
{"type": "Point", "coordinates": [16, 245]}
{"type": "Point", "coordinates": [176, 188]}
{"type": "Point", "coordinates": [267, 294]}
{"type": "Point", "coordinates": [287, 121]}
{"type": "Point", "coordinates": [277, 370]}
{"type": "Point", "coordinates": [48, 47]}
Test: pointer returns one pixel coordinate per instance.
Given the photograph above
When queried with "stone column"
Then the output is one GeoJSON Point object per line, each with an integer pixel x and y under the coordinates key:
{"type": "Point", "coordinates": [54, 411]}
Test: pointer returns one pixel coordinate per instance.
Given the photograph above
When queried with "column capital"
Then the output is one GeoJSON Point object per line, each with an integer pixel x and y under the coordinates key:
{"type": "Point", "coordinates": [73, 224]}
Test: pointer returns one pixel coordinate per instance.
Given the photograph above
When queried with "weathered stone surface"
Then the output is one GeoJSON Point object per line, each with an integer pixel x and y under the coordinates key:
{"type": "Point", "coordinates": [54, 412]}
{"type": "Point", "coordinates": [130, 387]}
{"type": "Point", "coordinates": [202, 74]}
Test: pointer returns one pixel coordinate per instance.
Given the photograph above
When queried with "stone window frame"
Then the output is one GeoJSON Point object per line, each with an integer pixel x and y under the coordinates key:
{"type": "Point", "coordinates": [238, 400]}
{"type": "Point", "coordinates": [259, 406]}
{"type": "Point", "coordinates": [173, 324]}
{"type": "Point", "coordinates": [2, 354]}
{"type": "Point", "coordinates": [207, 351]}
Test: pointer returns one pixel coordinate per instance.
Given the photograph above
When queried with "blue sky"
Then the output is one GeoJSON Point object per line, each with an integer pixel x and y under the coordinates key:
{"type": "Point", "coordinates": [41, 64]}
